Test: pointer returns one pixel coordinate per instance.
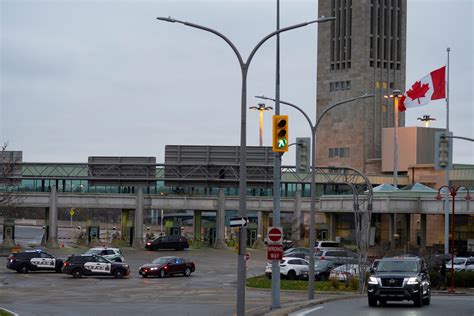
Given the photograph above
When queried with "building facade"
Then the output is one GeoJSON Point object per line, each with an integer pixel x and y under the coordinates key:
{"type": "Point", "coordinates": [362, 51]}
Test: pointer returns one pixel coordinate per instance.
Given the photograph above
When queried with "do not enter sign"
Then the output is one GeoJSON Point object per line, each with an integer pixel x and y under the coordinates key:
{"type": "Point", "coordinates": [275, 235]}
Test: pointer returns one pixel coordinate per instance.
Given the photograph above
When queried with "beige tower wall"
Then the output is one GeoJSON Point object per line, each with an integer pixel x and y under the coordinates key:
{"type": "Point", "coordinates": [346, 55]}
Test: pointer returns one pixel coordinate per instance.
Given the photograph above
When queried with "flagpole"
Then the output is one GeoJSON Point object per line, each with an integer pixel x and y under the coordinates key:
{"type": "Point", "coordinates": [446, 172]}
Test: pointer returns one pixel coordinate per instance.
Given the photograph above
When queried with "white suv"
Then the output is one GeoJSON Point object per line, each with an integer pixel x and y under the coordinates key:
{"type": "Point", "coordinates": [290, 267]}
{"type": "Point", "coordinates": [111, 254]}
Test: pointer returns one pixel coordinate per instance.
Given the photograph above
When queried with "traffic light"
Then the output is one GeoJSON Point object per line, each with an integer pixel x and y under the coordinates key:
{"type": "Point", "coordinates": [443, 151]}
{"type": "Point", "coordinates": [280, 133]}
{"type": "Point", "coordinates": [302, 154]}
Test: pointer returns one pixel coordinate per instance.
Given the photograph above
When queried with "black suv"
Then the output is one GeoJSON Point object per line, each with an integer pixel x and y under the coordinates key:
{"type": "Point", "coordinates": [77, 266]}
{"type": "Point", "coordinates": [399, 279]}
{"type": "Point", "coordinates": [33, 260]}
{"type": "Point", "coordinates": [168, 242]}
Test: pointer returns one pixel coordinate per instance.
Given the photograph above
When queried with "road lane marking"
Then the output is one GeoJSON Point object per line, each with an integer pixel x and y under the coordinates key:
{"type": "Point", "coordinates": [307, 311]}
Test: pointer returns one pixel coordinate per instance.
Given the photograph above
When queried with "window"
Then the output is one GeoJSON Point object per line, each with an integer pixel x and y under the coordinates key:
{"type": "Point", "coordinates": [348, 85]}
{"type": "Point", "coordinates": [45, 255]}
{"type": "Point", "coordinates": [337, 86]}
{"type": "Point", "coordinates": [339, 152]}
{"type": "Point", "coordinates": [331, 86]}
{"type": "Point", "coordinates": [343, 85]}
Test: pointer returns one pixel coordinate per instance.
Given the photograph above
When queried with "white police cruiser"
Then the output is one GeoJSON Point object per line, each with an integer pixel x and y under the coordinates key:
{"type": "Point", "coordinates": [33, 260]}
{"type": "Point", "coordinates": [94, 265]}
{"type": "Point", "coordinates": [111, 254]}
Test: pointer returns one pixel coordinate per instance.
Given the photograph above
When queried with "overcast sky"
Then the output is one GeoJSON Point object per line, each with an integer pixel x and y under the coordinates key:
{"type": "Point", "coordinates": [84, 78]}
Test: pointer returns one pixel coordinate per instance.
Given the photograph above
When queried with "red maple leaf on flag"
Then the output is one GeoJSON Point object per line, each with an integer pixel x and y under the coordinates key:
{"type": "Point", "coordinates": [418, 91]}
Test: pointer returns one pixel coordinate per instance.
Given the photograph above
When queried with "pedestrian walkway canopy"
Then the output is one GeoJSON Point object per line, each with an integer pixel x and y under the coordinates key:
{"type": "Point", "coordinates": [418, 187]}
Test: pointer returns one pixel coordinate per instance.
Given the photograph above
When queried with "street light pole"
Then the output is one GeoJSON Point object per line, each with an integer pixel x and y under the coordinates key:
{"type": "Point", "coordinates": [312, 224]}
{"type": "Point", "coordinates": [261, 108]}
{"type": "Point", "coordinates": [244, 66]}
{"type": "Point", "coordinates": [396, 94]}
{"type": "Point", "coordinates": [453, 192]}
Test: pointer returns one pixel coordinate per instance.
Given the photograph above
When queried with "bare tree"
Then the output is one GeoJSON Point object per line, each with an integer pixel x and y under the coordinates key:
{"type": "Point", "coordinates": [10, 168]}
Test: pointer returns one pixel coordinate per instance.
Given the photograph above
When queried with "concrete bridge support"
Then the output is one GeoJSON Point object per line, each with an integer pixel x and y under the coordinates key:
{"type": "Point", "coordinates": [138, 232]}
{"type": "Point", "coordinates": [392, 229]}
{"type": "Point", "coordinates": [332, 226]}
{"type": "Point", "coordinates": [220, 222]}
{"type": "Point", "coordinates": [124, 225]}
{"type": "Point", "coordinates": [52, 241]}
{"type": "Point", "coordinates": [197, 240]}
{"type": "Point", "coordinates": [423, 233]}
{"type": "Point", "coordinates": [296, 222]}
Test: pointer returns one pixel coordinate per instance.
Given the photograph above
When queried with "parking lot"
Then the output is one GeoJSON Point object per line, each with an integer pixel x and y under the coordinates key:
{"type": "Point", "coordinates": [211, 288]}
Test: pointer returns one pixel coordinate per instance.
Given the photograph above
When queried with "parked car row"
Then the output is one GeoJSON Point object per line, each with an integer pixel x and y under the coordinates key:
{"type": "Point", "coordinates": [94, 262]}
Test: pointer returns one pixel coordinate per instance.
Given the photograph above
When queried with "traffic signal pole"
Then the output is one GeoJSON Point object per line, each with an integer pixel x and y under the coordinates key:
{"type": "Point", "coordinates": [244, 66]}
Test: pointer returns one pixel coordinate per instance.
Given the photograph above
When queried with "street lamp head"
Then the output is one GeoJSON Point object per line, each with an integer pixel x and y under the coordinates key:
{"type": "Point", "coordinates": [168, 19]}
{"type": "Point", "coordinates": [326, 18]}
{"type": "Point", "coordinates": [395, 94]}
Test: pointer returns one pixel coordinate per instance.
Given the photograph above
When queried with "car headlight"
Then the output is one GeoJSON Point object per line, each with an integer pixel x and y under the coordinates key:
{"type": "Point", "coordinates": [413, 280]}
{"type": "Point", "coordinates": [154, 269]}
{"type": "Point", "coordinates": [373, 280]}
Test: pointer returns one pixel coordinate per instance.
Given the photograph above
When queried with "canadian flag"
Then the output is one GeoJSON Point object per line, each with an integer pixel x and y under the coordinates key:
{"type": "Point", "coordinates": [430, 87]}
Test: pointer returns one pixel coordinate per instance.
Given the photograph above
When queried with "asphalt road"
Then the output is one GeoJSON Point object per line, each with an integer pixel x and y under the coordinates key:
{"type": "Point", "coordinates": [440, 305]}
{"type": "Point", "coordinates": [210, 290]}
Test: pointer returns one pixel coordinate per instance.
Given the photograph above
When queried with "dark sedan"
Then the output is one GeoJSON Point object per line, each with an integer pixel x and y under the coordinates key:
{"type": "Point", "coordinates": [167, 266]}
{"type": "Point", "coordinates": [322, 270]}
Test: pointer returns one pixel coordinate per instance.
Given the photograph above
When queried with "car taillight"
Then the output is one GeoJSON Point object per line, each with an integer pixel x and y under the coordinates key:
{"type": "Point", "coordinates": [67, 264]}
{"type": "Point", "coordinates": [321, 258]}
{"type": "Point", "coordinates": [148, 243]}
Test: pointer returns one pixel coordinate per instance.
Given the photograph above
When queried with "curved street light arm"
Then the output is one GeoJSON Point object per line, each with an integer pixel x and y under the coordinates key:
{"type": "Point", "coordinates": [197, 26]}
{"type": "Point", "coordinates": [293, 106]}
{"type": "Point", "coordinates": [288, 28]}
{"type": "Point", "coordinates": [340, 103]}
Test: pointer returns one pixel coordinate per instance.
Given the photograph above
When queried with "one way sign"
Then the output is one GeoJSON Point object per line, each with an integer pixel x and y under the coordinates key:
{"type": "Point", "coordinates": [239, 221]}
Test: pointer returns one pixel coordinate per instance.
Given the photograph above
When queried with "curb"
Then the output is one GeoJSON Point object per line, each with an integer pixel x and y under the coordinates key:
{"type": "Point", "coordinates": [293, 307]}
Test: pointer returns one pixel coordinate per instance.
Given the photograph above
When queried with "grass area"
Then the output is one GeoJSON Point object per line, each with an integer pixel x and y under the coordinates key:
{"type": "Point", "coordinates": [4, 312]}
{"type": "Point", "coordinates": [262, 282]}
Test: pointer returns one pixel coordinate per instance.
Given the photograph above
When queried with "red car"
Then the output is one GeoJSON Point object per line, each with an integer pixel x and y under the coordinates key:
{"type": "Point", "coordinates": [167, 266]}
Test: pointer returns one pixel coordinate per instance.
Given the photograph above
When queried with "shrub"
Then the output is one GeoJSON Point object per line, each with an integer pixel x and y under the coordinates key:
{"type": "Point", "coordinates": [352, 283]}
{"type": "Point", "coordinates": [335, 283]}
{"type": "Point", "coordinates": [461, 279]}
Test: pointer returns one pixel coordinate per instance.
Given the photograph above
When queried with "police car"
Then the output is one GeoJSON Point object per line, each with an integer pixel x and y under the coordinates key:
{"type": "Point", "coordinates": [94, 265]}
{"type": "Point", "coordinates": [111, 254]}
{"type": "Point", "coordinates": [33, 260]}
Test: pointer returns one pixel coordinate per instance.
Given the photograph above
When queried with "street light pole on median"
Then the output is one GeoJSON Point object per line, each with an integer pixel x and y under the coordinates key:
{"type": "Point", "coordinates": [312, 215]}
{"type": "Point", "coordinates": [244, 66]}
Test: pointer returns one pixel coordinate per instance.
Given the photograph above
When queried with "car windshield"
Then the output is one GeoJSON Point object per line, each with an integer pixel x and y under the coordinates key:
{"type": "Point", "coordinates": [160, 260]}
{"type": "Point", "coordinates": [397, 266]}
{"type": "Point", "coordinates": [458, 261]}
{"type": "Point", "coordinates": [92, 251]}
{"type": "Point", "coordinates": [323, 264]}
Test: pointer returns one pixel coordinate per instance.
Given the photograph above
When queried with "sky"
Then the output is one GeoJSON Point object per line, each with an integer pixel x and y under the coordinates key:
{"type": "Point", "coordinates": [105, 78]}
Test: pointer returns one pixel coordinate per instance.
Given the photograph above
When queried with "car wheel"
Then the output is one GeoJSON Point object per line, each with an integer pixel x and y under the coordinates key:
{"type": "Point", "coordinates": [383, 302]}
{"type": "Point", "coordinates": [58, 270]}
{"type": "Point", "coordinates": [291, 275]}
{"type": "Point", "coordinates": [144, 275]}
{"type": "Point", "coordinates": [426, 301]}
{"type": "Point", "coordinates": [23, 269]}
{"type": "Point", "coordinates": [187, 272]}
{"type": "Point", "coordinates": [418, 300]}
{"type": "Point", "coordinates": [118, 274]}
{"type": "Point", "coordinates": [77, 274]}
{"type": "Point", "coordinates": [161, 273]}
{"type": "Point", "coordinates": [372, 301]}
